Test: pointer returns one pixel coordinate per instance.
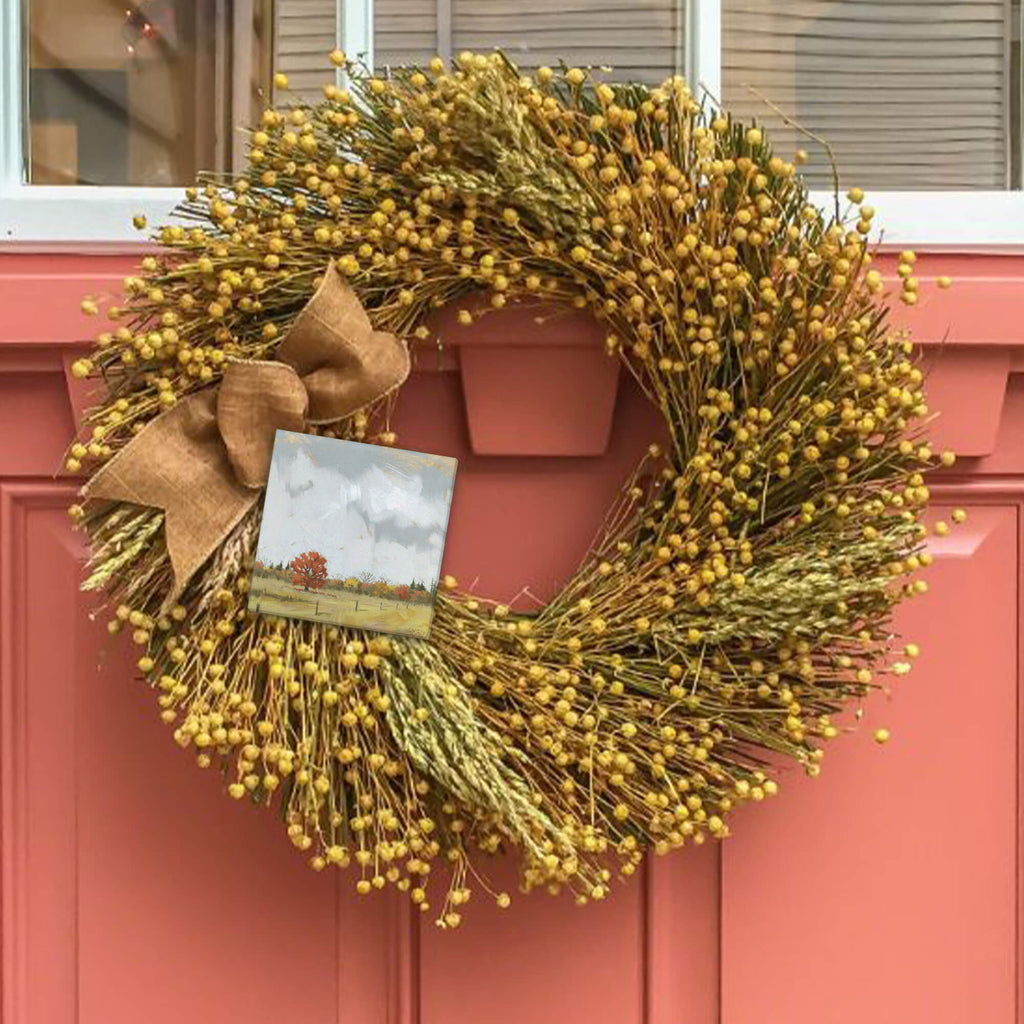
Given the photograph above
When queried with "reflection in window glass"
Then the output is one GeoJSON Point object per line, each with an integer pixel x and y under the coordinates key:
{"type": "Point", "coordinates": [909, 95]}
{"type": "Point", "coordinates": [146, 93]}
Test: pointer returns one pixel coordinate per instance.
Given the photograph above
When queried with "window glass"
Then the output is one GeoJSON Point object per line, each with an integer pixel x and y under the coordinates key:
{"type": "Point", "coordinates": [146, 93]}
{"type": "Point", "coordinates": [641, 40]}
{"type": "Point", "coordinates": [305, 32]}
{"type": "Point", "coordinates": [920, 95]}
{"type": "Point", "coordinates": [405, 31]}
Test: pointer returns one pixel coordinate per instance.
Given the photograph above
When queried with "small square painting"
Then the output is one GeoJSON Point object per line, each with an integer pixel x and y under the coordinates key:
{"type": "Point", "coordinates": [352, 534]}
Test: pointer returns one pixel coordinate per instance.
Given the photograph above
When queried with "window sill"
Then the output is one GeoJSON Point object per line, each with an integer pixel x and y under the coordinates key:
{"type": "Point", "coordinates": [983, 222]}
{"type": "Point", "coordinates": [54, 218]}
{"type": "Point", "coordinates": [81, 217]}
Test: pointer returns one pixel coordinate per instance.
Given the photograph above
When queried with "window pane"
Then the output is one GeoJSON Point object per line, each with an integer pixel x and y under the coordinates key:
{"type": "Point", "coordinates": [639, 39]}
{"type": "Point", "coordinates": [305, 32]}
{"type": "Point", "coordinates": [909, 95]}
{"type": "Point", "coordinates": [146, 93]}
{"type": "Point", "coordinates": [404, 32]}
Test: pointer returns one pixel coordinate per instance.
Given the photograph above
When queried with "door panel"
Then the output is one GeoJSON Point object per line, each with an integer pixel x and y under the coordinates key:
{"type": "Point", "coordinates": [133, 889]}
{"type": "Point", "coordinates": [649, 954]}
{"type": "Point", "coordinates": [500, 967]}
{"type": "Point", "coordinates": [885, 890]}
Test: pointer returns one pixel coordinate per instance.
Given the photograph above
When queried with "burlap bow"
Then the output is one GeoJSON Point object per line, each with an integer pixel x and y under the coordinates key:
{"type": "Point", "coordinates": [205, 460]}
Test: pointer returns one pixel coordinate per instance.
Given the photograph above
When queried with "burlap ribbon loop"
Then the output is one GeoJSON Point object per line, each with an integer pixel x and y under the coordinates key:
{"type": "Point", "coordinates": [205, 460]}
{"type": "Point", "coordinates": [342, 360]}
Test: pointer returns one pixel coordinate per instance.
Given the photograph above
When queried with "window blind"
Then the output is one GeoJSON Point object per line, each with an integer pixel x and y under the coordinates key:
{"type": "Point", "coordinates": [909, 95]}
{"type": "Point", "coordinates": [641, 40]}
{"type": "Point", "coordinates": [304, 33]}
{"type": "Point", "coordinates": [404, 31]}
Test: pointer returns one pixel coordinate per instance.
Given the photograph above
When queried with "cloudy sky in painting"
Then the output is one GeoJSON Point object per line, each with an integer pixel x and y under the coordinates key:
{"type": "Point", "coordinates": [364, 507]}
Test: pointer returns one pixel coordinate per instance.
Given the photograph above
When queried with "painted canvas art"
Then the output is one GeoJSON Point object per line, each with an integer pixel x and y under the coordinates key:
{"type": "Point", "coordinates": [352, 534]}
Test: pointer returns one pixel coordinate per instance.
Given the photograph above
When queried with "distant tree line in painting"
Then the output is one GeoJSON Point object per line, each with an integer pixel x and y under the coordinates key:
{"type": "Point", "coordinates": [308, 571]}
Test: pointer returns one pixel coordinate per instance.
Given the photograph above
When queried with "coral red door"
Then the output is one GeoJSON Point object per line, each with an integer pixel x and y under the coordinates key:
{"type": "Point", "coordinates": [885, 891]}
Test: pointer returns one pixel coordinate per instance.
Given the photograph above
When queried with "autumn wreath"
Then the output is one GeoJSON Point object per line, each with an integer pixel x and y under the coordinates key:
{"type": "Point", "coordinates": [742, 592]}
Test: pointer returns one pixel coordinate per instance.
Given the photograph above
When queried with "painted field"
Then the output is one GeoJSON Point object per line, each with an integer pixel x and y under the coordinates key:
{"type": "Point", "coordinates": [362, 611]}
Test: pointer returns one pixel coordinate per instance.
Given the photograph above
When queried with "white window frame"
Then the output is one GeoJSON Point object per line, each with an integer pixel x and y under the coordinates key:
{"type": "Point", "coordinates": [88, 218]}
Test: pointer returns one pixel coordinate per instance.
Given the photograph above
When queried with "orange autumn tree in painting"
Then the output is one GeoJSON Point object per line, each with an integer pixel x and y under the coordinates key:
{"type": "Point", "coordinates": [309, 570]}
